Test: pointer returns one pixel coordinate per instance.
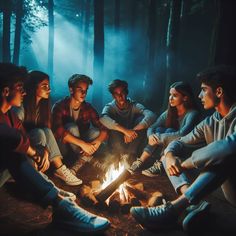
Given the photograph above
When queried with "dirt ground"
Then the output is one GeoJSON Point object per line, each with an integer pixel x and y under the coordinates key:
{"type": "Point", "coordinates": [21, 217]}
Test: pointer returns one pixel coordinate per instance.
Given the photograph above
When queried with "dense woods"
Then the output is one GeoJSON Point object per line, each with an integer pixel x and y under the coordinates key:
{"type": "Point", "coordinates": [149, 43]}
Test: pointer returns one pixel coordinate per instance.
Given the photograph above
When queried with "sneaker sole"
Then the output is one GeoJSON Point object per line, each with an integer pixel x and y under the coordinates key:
{"type": "Point", "coordinates": [69, 183]}
{"type": "Point", "coordinates": [195, 217]}
{"type": "Point", "coordinates": [149, 174]}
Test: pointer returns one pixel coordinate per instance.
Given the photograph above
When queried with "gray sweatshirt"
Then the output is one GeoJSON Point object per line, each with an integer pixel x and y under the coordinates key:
{"type": "Point", "coordinates": [218, 133]}
{"type": "Point", "coordinates": [186, 124]}
{"type": "Point", "coordinates": [112, 115]}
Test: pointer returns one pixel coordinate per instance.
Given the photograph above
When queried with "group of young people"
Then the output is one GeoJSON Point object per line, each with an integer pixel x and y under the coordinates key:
{"type": "Point", "coordinates": [34, 137]}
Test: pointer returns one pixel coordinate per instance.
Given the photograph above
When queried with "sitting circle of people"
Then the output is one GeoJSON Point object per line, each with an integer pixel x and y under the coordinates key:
{"type": "Point", "coordinates": [35, 138]}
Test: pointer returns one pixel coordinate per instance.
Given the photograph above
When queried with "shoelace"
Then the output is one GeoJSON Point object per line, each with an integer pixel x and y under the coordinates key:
{"type": "Point", "coordinates": [158, 210]}
{"type": "Point", "coordinates": [156, 168]}
{"type": "Point", "coordinates": [68, 174]}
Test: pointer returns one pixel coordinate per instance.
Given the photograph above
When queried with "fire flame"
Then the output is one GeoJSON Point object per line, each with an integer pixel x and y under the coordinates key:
{"type": "Point", "coordinates": [112, 174]}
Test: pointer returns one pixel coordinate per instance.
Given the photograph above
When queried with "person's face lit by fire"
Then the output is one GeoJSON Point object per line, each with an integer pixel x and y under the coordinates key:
{"type": "Point", "coordinates": [15, 94]}
{"type": "Point", "coordinates": [208, 97]}
{"type": "Point", "coordinates": [175, 98]}
{"type": "Point", "coordinates": [120, 96]}
{"type": "Point", "coordinates": [80, 91]}
{"type": "Point", "coordinates": [43, 89]}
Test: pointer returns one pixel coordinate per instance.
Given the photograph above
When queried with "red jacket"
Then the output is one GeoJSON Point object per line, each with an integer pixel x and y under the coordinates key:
{"type": "Point", "coordinates": [61, 116]}
{"type": "Point", "coordinates": [11, 120]}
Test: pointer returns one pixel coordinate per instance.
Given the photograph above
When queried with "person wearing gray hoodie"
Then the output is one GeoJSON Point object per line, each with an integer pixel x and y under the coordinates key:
{"type": "Point", "coordinates": [215, 160]}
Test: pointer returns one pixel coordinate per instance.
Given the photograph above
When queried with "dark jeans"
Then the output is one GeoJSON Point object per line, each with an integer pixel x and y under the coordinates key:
{"type": "Point", "coordinates": [118, 146]}
{"type": "Point", "coordinates": [22, 171]}
{"type": "Point", "coordinates": [208, 180]}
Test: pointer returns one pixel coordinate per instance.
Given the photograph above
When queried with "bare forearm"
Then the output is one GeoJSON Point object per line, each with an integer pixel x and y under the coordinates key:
{"type": "Point", "coordinates": [102, 136]}
{"type": "Point", "coordinates": [139, 127]}
{"type": "Point", "coordinates": [69, 138]}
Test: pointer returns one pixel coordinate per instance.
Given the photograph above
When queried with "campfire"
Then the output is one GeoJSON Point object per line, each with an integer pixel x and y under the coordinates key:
{"type": "Point", "coordinates": [116, 193]}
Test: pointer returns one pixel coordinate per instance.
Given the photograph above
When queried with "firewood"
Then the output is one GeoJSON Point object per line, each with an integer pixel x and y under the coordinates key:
{"type": "Point", "coordinates": [155, 199]}
{"type": "Point", "coordinates": [139, 186]}
{"type": "Point", "coordinates": [87, 197]}
{"type": "Point", "coordinates": [140, 194]}
{"type": "Point", "coordinates": [115, 202]}
{"type": "Point", "coordinates": [105, 193]}
{"type": "Point", "coordinates": [95, 184]}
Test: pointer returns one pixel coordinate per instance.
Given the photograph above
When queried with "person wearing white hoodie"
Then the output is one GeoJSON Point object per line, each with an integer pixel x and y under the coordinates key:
{"type": "Point", "coordinates": [215, 160]}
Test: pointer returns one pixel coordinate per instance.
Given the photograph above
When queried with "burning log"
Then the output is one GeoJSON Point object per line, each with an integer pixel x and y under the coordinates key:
{"type": "Point", "coordinates": [105, 193]}
{"type": "Point", "coordinates": [87, 196]}
{"type": "Point", "coordinates": [139, 194]}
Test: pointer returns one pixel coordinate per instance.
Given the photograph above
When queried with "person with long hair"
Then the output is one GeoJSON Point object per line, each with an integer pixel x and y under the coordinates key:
{"type": "Point", "coordinates": [16, 151]}
{"type": "Point", "coordinates": [214, 159]}
{"type": "Point", "coordinates": [36, 117]}
{"type": "Point", "coordinates": [179, 119]}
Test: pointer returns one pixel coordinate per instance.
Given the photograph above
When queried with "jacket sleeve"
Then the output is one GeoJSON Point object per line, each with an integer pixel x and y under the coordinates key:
{"type": "Point", "coordinates": [95, 119]}
{"type": "Point", "coordinates": [106, 119]}
{"type": "Point", "coordinates": [195, 138]}
{"type": "Point", "coordinates": [160, 122]}
{"type": "Point", "coordinates": [191, 119]}
{"type": "Point", "coordinates": [11, 139]}
{"type": "Point", "coordinates": [215, 152]}
{"type": "Point", "coordinates": [149, 117]}
{"type": "Point", "coordinates": [57, 122]}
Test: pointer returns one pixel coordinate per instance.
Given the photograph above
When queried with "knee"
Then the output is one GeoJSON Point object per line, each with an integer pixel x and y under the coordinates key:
{"type": "Point", "coordinates": [38, 137]}
{"type": "Point", "coordinates": [73, 129]}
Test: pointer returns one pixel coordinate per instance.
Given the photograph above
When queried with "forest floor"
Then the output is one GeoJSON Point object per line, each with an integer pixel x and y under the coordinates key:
{"type": "Point", "coordinates": [21, 217]}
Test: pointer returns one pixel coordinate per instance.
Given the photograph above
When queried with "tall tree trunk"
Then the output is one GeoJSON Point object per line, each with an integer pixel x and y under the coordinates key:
{"type": "Point", "coordinates": [133, 13]}
{"type": "Point", "coordinates": [17, 41]}
{"type": "Point", "coordinates": [6, 53]}
{"type": "Point", "coordinates": [117, 15]}
{"type": "Point", "coordinates": [117, 36]}
{"type": "Point", "coordinates": [86, 33]}
{"type": "Point", "coordinates": [171, 44]}
{"type": "Point", "coordinates": [98, 62]}
{"type": "Point", "coordinates": [50, 38]}
{"type": "Point", "coordinates": [151, 47]}
{"type": "Point", "coordinates": [223, 47]}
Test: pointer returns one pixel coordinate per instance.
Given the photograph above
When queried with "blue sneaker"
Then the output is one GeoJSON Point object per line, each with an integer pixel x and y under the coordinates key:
{"type": "Point", "coordinates": [196, 215]}
{"type": "Point", "coordinates": [159, 217]}
{"type": "Point", "coordinates": [70, 216]}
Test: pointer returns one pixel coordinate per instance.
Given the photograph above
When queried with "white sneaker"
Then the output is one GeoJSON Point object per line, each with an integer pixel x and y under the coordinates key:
{"type": "Point", "coordinates": [66, 175]}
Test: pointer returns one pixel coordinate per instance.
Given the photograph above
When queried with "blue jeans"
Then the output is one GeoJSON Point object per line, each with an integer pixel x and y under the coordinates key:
{"type": "Point", "coordinates": [209, 180]}
{"type": "Point", "coordinates": [89, 136]}
{"type": "Point", "coordinates": [118, 146]}
{"type": "Point", "coordinates": [150, 149]}
{"type": "Point", "coordinates": [45, 137]}
{"type": "Point", "coordinates": [29, 179]}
